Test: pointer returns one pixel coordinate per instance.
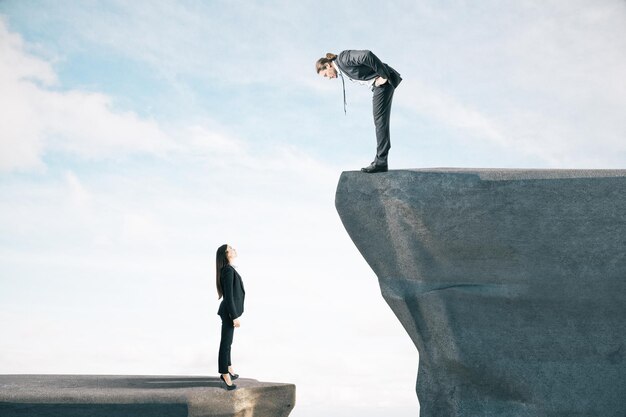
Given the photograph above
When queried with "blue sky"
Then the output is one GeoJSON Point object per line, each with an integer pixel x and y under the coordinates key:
{"type": "Point", "coordinates": [139, 136]}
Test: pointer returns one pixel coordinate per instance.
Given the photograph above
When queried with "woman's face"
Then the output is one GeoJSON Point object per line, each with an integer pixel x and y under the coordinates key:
{"type": "Point", "coordinates": [231, 253]}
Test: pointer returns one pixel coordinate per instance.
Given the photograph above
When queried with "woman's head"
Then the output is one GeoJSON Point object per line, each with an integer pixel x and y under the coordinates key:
{"type": "Point", "coordinates": [324, 66]}
{"type": "Point", "coordinates": [224, 256]}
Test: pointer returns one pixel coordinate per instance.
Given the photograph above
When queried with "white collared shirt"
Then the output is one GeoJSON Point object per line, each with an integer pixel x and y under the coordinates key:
{"type": "Point", "coordinates": [368, 83]}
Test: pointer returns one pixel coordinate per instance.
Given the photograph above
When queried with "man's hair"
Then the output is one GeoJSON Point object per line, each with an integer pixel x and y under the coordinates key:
{"type": "Point", "coordinates": [322, 62]}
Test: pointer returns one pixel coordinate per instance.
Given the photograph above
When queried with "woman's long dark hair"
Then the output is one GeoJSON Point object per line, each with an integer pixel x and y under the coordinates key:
{"type": "Point", "coordinates": [221, 260]}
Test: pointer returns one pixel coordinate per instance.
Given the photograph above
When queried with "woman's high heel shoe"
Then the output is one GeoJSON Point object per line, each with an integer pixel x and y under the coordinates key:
{"type": "Point", "coordinates": [233, 376]}
{"type": "Point", "coordinates": [228, 387]}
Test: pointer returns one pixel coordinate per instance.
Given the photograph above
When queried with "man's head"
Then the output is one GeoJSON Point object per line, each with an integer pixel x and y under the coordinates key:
{"type": "Point", "coordinates": [325, 67]}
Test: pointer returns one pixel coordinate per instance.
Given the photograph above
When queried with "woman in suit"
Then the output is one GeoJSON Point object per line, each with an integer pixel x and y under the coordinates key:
{"type": "Point", "coordinates": [230, 287]}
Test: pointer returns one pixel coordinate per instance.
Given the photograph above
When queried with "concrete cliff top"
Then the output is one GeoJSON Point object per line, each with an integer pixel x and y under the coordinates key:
{"type": "Point", "coordinates": [497, 174]}
{"type": "Point", "coordinates": [140, 396]}
{"type": "Point", "coordinates": [511, 284]}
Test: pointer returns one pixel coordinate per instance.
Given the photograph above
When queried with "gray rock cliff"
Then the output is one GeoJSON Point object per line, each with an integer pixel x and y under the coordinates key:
{"type": "Point", "coordinates": [511, 284]}
{"type": "Point", "coordinates": [140, 396]}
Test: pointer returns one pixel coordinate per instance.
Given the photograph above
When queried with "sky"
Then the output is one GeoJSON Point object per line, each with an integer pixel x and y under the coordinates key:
{"type": "Point", "coordinates": [137, 137]}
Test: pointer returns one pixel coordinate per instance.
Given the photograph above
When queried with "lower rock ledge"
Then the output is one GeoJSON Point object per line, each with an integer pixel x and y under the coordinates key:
{"type": "Point", "coordinates": [141, 396]}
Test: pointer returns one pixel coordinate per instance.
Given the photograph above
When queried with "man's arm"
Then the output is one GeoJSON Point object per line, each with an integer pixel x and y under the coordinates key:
{"type": "Point", "coordinates": [367, 58]}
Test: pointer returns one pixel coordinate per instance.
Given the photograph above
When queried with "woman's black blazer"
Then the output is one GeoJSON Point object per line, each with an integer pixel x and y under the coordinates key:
{"type": "Point", "coordinates": [233, 292]}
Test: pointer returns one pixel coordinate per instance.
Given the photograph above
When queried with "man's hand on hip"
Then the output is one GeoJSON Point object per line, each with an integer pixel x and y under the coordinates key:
{"type": "Point", "coordinates": [379, 81]}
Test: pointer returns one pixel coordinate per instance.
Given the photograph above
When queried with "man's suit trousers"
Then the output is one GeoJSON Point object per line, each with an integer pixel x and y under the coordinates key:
{"type": "Point", "coordinates": [381, 102]}
{"type": "Point", "coordinates": [228, 331]}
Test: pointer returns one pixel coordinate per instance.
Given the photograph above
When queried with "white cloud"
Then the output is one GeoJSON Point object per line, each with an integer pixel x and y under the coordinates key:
{"type": "Point", "coordinates": [450, 111]}
{"type": "Point", "coordinates": [206, 141]}
{"type": "Point", "coordinates": [37, 119]}
{"type": "Point", "coordinates": [540, 81]}
{"type": "Point", "coordinates": [229, 44]}
{"type": "Point", "coordinates": [20, 143]}
{"type": "Point", "coordinates": [79, 197]}
{"type": "Point", "coordinates": [86, 125]}
{"type": "Point", "coordinates": [141, 228]}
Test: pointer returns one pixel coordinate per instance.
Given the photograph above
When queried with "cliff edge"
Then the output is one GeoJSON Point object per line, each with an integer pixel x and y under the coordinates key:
{"type": "Point", "coordinates": [140, 396]}
{"type": "Point", "coordinates": [511, 284]}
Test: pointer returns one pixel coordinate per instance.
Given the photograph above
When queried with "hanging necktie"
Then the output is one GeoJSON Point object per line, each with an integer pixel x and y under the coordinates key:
{"type": "Point", "coordinates": [343, 84]}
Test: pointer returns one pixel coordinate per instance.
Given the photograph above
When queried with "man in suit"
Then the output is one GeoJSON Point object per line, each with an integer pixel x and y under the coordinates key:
{"type": "Point", "coordinates": [365, 68]}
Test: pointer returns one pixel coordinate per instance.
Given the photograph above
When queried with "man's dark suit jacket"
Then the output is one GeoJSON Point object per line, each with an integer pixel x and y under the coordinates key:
{"type": "Point", "coordinates": [233, 292]}
{"type": "Point", "coordinates": [364, 66]}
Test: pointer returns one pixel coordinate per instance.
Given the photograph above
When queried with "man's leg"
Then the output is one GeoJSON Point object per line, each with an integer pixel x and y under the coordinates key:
{"type": "Point", "coordinates": [381, 101]}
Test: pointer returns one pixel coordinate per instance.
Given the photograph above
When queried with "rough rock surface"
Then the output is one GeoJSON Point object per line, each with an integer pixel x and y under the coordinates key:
{"type": "Point", "coordinates": [511, 284]}
{"type": "Point", "coordinates": [140, 396]}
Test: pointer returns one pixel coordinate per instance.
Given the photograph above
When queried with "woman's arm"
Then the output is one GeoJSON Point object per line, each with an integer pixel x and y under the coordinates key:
{"type": "Point", "coordinates": [228, 285]}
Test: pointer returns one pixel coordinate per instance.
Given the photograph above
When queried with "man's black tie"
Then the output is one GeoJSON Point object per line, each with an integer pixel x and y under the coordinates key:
{"type": "Point", "coordinates": [343, 84]}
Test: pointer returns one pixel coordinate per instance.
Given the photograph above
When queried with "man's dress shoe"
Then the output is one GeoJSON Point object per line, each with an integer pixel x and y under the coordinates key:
{"type": "Point", "coordinates": [374, 168]}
